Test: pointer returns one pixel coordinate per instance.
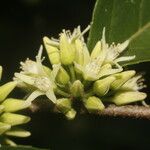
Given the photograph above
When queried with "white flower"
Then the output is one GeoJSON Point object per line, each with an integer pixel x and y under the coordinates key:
{"type": "Point", "coordinates": [43, 83]}
{"type": "Point", "coordinates": [103, 60]}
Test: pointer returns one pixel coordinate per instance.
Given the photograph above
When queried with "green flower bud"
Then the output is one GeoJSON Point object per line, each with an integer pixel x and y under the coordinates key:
{"type": "Point", "coordinates": [1, 70]}
{"type": "Point", "coordinates": [14, 119]}
{"type": "Point", "coordinates": [122, 78]}
{"type": "Point", "coordinates": [67, 50]}
{"type": "Point", "coordinates": [4, 127]}
{"type": "Point", "coordinates": [126, 97]}
{"type": "Point", "coordinates": [1, 108]}
{"type": "Point", "coordinates": [52, 51]}
{"type": "Point", "coordinates": [18, 132]}
{"type": "Point", "coordinates": [64, 105]}
{"type": "Point", "coordinates": [101, 87]}
{"type": "Point", "coordinates": [62, 76]}
{"type": "Point", "coordinates": [12, 105]}
{"type": "Point", "coordinates": [97, 50]}
{"type": "Point", "coordinates": [71, 114]}
{"type": "Point", "coordinates": [77, 88]}
{"type": "Point", "coordinates": [93, 104]}
{"type": "Point", "coordinates": [9, 142]}
{"type": "Point", "coordinates": [6, 89]}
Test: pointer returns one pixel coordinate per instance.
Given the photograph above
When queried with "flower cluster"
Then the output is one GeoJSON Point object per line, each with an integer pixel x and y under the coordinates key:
{"type": "Point", "coordinates": [75, 75]}
{"type": "Point", "coordinates": [9, 120]}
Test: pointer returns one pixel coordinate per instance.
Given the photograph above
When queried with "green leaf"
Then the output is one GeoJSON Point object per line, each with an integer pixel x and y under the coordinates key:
{"type": "Point", "coordinates": [139, 46]}
{"type": "Point", "coordinates": [20, 148]}
{"type": "Point", "coordinates": [122, 19]}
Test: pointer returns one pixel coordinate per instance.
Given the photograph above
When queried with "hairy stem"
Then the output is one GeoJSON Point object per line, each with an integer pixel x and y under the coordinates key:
{"type": "Point", "coordinates": [133, 111]}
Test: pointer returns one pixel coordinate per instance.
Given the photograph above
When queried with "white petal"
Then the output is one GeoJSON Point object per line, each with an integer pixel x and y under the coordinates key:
{"type": "Point", "coordinates": [32, 97]}
{"type": "Point", "coordinates": [110, 71]}
{"type": "Point", "coordinates": [54, 72]}
{"type": "Point", "coordinates": [25, 78]}
{"type": "Point", "coordinates": [121, 47]}
{"type": "Point", "coordinates": [126, 58]}
{"type": "Point", "coordinates": [86, 55]}
{"type": "Point", "coordinates": [50, 94]}
{"type": "Point", "coordinates": [78, 68]}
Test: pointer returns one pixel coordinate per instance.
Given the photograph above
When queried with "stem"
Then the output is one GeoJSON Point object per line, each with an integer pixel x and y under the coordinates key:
{"type": "Point", "coordinates": [72, 73]}
{"type": "Point", "coordinates": [59, 91]}
{"type": "Point", "coordinates": [133, 111]}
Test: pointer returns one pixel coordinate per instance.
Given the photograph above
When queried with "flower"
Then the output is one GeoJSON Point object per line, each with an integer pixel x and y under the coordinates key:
{"type": "Point", "coordinates": [36, 75]}
{"type": "Point", "coordinates": [103, 60]}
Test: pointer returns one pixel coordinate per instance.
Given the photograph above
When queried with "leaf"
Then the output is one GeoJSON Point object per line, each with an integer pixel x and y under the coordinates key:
{"type": "Point", "coordinates": [139, 46]}
{"type": "Point", "coordinates": [19, 148]}
{"type": "Point", "coordinates": [122, 19]}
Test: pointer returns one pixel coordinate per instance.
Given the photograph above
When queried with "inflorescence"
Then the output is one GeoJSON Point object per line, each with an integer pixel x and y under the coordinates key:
{"type": "Point", "coordinates": [75, 75]}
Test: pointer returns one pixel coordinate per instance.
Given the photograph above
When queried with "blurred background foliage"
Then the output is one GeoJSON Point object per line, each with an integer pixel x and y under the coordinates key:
{"type": "Point", "coordinates": [23, 23]}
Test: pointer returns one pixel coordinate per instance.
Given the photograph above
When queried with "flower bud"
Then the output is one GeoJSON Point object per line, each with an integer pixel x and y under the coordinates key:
{"type": "Point", "coordinates": [77, 88]}
{"type": "Point", "coordinates": [6, 89]}
{"type": "Point", "coordinates": [62, 76]}
{"type": "Point", "coordinates": [71, 114]}
{"type": "Point", "coordinates": [122, 98]}
{"type": "Point", "coordinates": [101, 87]}
{"type": "Point", "coordinates": [52, 51]}
{"type": "Point", "coordinates": [122, 78]}
{"type": "Point", "coordinates": [4, 127]}
{"type": "Point", "coordinates": [67, 50]}
{"type": "Point", "coordinates": [93, 104]}
{"type": "Point", "coordinates": [1, 108]}
{"type": "Point", "coordinates": [18, 133]}
{"type": "Point", "coordinates": [96, 51]}
{"type": "Point", "coordinates": [9, 142]}
{"type": "Point", "coordinates": [64, 105]}
{"type": "Point", "coordinates": [14, 119]}
{"type": "Point", "coordinates": [12, 105]}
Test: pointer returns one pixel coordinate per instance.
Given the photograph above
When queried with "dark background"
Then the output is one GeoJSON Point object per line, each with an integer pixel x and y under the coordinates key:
{"type": "Point", "coordinates": [23, 23]}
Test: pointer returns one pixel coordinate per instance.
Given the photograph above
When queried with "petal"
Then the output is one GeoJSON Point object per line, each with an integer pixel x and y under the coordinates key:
{"type": "Point", "coordinates": [127, 58]}
{"type": "Point", "coordinates": [25, 78]}
{"type": "Point", "coordinates": [50, 94]}
{"type": "Point", "coordinates": [32, 97]}
{"type": "Point", "coordinates": [96, 51]}
{"type": "Point", "coordinates": [78, 68]}
{"type": "Point", "coordinates": [121, 47]}
{"type": "Point", "coordinates": [86, 55]}
{"type": "Point", "coordinates": [54, 71]}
